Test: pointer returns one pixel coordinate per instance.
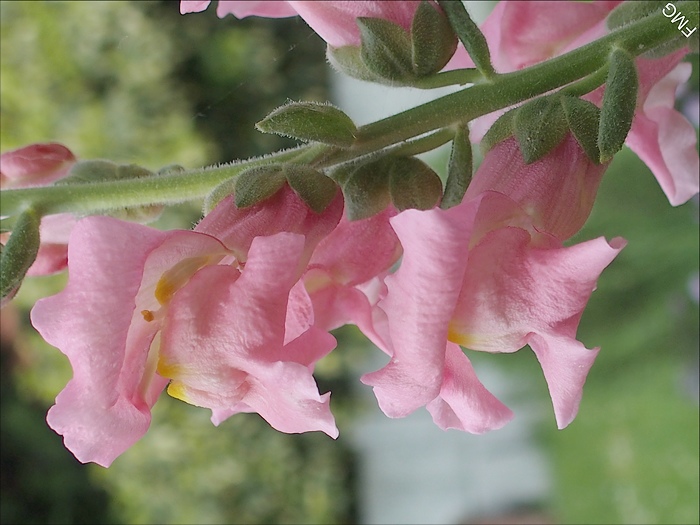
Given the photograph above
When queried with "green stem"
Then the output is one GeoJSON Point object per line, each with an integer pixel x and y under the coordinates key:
{"type": "Point", "coordinates": [453, 77]}
{"type": "Point", "coordinates": [501, 91]}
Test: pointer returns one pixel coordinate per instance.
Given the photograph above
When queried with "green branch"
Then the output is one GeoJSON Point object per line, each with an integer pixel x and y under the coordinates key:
{"type": "Point", "coordinates": [501, 91]}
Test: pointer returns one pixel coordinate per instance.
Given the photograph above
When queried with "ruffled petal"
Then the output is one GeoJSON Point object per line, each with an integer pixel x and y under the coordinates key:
{"type": "Point", "coordinates": [223, 341]}
{"type": "Point", "coordinates": [565, 363]}
{"type": "Point", "coordinates": [666, 141]}
{"type": "Point", "coordinates": [89, 322]}
{"type": "Point", "coordinates": [464, 403]}
{"type": "Point", "coordinates": [419, 304]}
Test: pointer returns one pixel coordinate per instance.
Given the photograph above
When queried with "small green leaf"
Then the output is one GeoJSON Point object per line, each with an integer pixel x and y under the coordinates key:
{"type": "Point", "coordinates": [312, 186]}
{"type": "Point", "coordinates": [433, 40]}
{"type": "Point", "coordinates": [256, 184]}
{"type": "Point", "coordinates": [219, 193]}
{"type": "Point", "coordinates": [459, 169]}
{"type": "Point", "coordinates": [347, 60]}
{"type": "Point", "coordinates": [366, 191]}
{"type": "Point", "coordinates": [311, 121]}
{"type": "Point", "coordinates": [386, 49]}
{"type": "Point", "coordinates": [19, 253]}
{"type": "Point", "coordinates": [499, 131]}
{"type": "Point", "coordinates": [412, 184]}
{"type": "Point", "coordinates": [470, 35]}
{"type": "Point", "coordinates": [619, 104]}
{"type": "Point", "coordinates": [94, 170]}
{"type": "Point", "coordinates": [539, 126]}
{"type": "Point", "coordinates": [583, 118]}
{"type": "Point", "coordinates": [628, 12]}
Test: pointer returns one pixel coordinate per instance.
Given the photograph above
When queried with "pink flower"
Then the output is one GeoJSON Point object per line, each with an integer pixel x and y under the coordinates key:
{"type": "Point", "coordinates": [557, 191]}
{"type": "Point", "coordinates": [42, 165]}
{"type": "Point", "coordinates": [521, 34]}
{"type": "Point", "coordinates": [35, 165]}
{"type": "Point", "coordinates": [471, 277]}
{"type": "Point", "coordinates": [207, 314]}
{"type": "Point", "coordinates": [345, 274]}
{"type": "Point", "coordinates": [661, 136]}
{"type": "Point", "coordinates": [333, 21]}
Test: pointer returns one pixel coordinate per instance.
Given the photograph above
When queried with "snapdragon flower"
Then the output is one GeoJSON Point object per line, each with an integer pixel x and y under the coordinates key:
{"type": "Point", "coordinates": [207, 316]}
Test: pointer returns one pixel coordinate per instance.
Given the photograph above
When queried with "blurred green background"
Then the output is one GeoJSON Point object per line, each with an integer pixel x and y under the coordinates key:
{"type": "Point", "coordinates": [138, 82]}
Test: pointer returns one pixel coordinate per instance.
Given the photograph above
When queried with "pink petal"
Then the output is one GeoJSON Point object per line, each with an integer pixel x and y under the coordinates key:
{"type": "Point", "coordinates": [97, 322]}
{"type": "Point", "coordinates": [283, 212]}
{"type": "Point", "coordinates": [335, 22]}
{"type": "Point", "coordinates": [666, 141]}
{"type": "Point", "coordinates": [464, 403]}
{"type": "Point", "coordinates": [512, 289]}
{"type": "Point", "coordinates": [35, 165]}
{"type": "Point", "coordinates": [565, 363]}
{"type": "Point", "coordinates": [357, 251]}
{"type": "Point", "coordinates": [223, 341]}
{"type": "Point", "coordinates": [420, 300]}
{"type": "Point", "coordinates": [89, 321]}
{"type": "Point", "coordinates": [557, 191]}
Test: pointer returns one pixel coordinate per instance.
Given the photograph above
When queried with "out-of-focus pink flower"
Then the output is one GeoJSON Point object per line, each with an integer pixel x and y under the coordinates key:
{"type": "Point", "coordinates": [41, 165]}
{"type": "Point", "coordinates": [207, 314]}
{"type": "Point", "coordinates": [334, 21]}
{"type": "Point", "coordinates": [35, 165]}
{"type": "Point", "coordinates": [557, 191]}
{"type": "Point", "coordinates": [468, 277]}
{"type": "Point", "coordinates": [521, 34]}
{"type": "Point", "coordinates": [661, 136]}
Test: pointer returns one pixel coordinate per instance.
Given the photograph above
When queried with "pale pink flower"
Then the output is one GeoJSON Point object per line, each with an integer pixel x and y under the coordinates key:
{"type": "Point", "coordinates": [468, 277]}
{"type": "Point", "coordinates": [521, 34]}
{"type": "Point", "coordinates": [208, 315]}
{"type": "Point", "coordinates": [661, 136]}
{"type": "Point", "coordinates": [41, 165]}
{"type": "Point", "coordinates": [557, 191]}
{"type": "Point", "coordinates": [333, 21]}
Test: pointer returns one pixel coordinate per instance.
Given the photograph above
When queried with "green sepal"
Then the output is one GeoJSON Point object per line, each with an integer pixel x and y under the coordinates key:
{"type": "Point", "coordinates": [311, 121]}
{"type": "Point", "coordinates": [312, 186]}
{"type": "Point", "coordinates": [412, 184]}
{"type": "Point", "coordinates": [20, 252]}
{"type": "Point", "coordinates": [499, 131]}
{"type": "Point", "coordinates": [366, 191]}
{"type": "Point", "coordinates": [583, 119]}
{"type": "Point", "coordinates": [219, 193]}
{"type": "Point", "coordinates": [347, 60]}
{"type": "Point", "coordinates": [539, 126]}
{"type": "Point", "coordinates": [256, 184]}
{"type": "Point", "coordinates": [459, 169]}
{"type": "Point", "coordinates": [469, 33]}
{"type": "Point", "coordinates": [433, 41]}
{"type": "Point", "coordinates": [386, 49]}
{"type": "Point", "coordinates": [94, 170]}
{"type": "Point", "coordinates": [619, 104]}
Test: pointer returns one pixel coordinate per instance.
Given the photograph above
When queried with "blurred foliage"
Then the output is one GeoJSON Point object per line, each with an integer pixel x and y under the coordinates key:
{"type": "Point", "coordinates": [138, 82]}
